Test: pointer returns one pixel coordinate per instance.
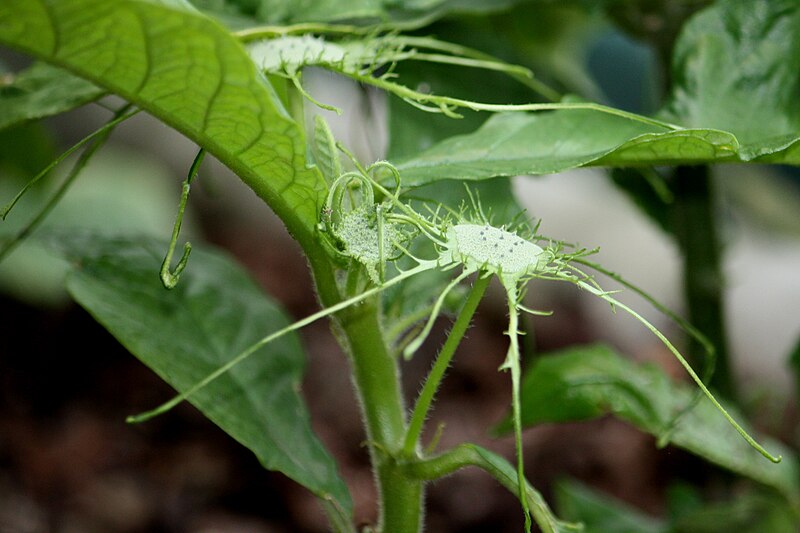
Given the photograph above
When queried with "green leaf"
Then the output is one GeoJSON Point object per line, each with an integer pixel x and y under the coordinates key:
{"type": "Point", "coordinates": [750, 512]}
{"type": "Point", "coordinates": [184, 334]}
{"type": "Point", "coordinates": [546, 143]}
{"type": "Point", "coordinates": [736, 68]}
{"type": "Point", "coordinates": [591, 381]}
{"type": "Point", "coordinates": [326, 155]}
{"type": "Point", "coordinates": [600, 513]}
{"type": "Point", "coordinates": [41, 91]}
{"type": "Point", "coordinates": [188, 71]}
{"type": "Point", "coordinates": [24, 150]}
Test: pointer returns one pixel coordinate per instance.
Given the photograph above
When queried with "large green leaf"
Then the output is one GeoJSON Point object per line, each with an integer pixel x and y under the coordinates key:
{"type": "Point", "coordinates": [184, 334]}
{"type": "Point", "coordinates": [188, 71]}
{"type": "Point", "coordinates": [546, 143]}
{"type": "Point", "coordinates": [42, 91]}
{"type": "Point", "coordinates": [736, 67]}
{"type": "Point", "coordinates": [591, 381]}
{"type": "Point", "coordinates": [737, 77]}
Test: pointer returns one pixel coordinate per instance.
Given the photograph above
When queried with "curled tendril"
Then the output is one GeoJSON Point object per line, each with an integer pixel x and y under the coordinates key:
{"type": "Point", "coordinates": [170, 279]}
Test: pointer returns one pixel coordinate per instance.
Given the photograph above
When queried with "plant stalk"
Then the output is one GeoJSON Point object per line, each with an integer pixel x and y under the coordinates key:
{"type": "Point", "coordinates": [442, 363]}
{"type": "Point", "coordinates": [376, 377]}
{"type": "Point", "coordinates": [694, 223]}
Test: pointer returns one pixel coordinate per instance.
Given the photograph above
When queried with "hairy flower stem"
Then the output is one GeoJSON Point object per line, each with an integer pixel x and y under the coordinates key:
{"type": "Point", "coordinates": [436, 374]}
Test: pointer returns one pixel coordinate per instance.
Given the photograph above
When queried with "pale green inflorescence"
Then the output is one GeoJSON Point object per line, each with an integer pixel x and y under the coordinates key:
{"type": "Point", "coordinates": [495, 250]}
{"type": "Point", "coordinates": [358, 231]}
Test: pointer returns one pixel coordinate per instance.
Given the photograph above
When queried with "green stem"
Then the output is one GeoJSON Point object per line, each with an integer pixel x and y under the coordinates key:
{"type": "Point", "coordinates": [519, 73]}
{"type": "Point", "coordinates": [414, 345]}
{"type": "Point", "coordinates": [377, 381]}
{"type": "Point", "coordinates": [294, 94]}
{"type": "Point", "coordinates": [270, 32]}
{"type": "Point", "coordinates": [514, 364]}
{"type": "Point", "coordinates": [696, 231]}
{"type": "Point", "coordinates": [465, 455]}
{"type": "Point", "coordinates": [445, 103]}
{"type": "Point", "coordinates": [376, 377]}
{"type": "Point", "coordinates": [426, 397]}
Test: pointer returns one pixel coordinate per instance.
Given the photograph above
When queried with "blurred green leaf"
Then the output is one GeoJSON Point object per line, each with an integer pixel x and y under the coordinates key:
{"type": "Point", "coordinates": [591, 381]}
{"type": "Point", "coordinates": [754, 511]}
{"type": "Point", "coordinates": [751, 512]}
{"type": "Point", "coordinates": [292, 11]}
{"type": "Point", "coordinates": [186, 333]}
{"type": "Point", "coordinates": [24, 150]}
{"type": "Point", "coordinates": [118, 192]}
{"type": "Point", "coordinates": [188, 71]}
{"type": "Point", "coordinates": [41, 91]}
{"type": "Point", "coordinates": [600, 513]}
{"type": "Point", "coordinates": [554, 40]}
{"type": "Point", "coordinates": [736, 68]}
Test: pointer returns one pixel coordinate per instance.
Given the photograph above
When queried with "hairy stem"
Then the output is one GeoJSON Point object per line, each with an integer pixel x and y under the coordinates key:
{"type": "Point", "coordinates": [426, 397]}
{"type": "Point", "coordinates": [446, 104]}
{"type": "Point", "coordinates": [514, 364]}
{"type": "Point", "coordinates": [376, 377]}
